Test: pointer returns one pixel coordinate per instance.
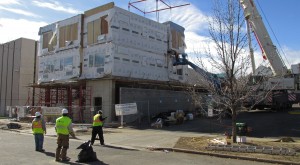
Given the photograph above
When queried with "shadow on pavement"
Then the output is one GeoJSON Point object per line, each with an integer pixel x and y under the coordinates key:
{"type": "Point", "coordinates": [94, 163]}
{"type": "Point", "coordinates": [49, 154]}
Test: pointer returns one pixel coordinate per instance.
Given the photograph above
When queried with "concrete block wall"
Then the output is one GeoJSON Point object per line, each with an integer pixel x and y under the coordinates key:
{"type": "Point", "coordinates": [106, 90]}
{"type": "Point", "coordinates": [152, 102]}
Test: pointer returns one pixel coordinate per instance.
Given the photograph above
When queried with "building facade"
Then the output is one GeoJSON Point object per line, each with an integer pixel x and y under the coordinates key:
{"type": "Point", "coordinates": [17, 72]}
{"type": "Point", "coordinates": [109, 56]}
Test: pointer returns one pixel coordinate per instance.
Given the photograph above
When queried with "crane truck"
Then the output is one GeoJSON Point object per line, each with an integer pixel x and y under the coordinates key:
{"type": "Point", "coordinates": [281, 90]}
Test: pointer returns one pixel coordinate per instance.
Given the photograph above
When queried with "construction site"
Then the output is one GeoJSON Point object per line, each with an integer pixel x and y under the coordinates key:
{"type": "Point", "coordinates": [108, 56]}
{"type": "Point", "coordinates": [103, 57]}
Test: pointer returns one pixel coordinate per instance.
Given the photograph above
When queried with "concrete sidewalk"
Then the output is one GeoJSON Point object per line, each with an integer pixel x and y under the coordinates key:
{"type": "Point", "coordinates": [126, 137]}
{"type": "Point", "coordinates": [130, 138]}
{"type": "Point", "coordinates": [143, 139]}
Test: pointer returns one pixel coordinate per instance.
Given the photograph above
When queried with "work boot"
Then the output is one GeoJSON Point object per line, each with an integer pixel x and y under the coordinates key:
{"type": "Point", "coordinates": [64, 154]}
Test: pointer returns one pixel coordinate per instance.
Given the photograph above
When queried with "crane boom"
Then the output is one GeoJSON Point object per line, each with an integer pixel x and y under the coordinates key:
{"type": "Point", "coordinates": [268, 48]}
{"type": "Point", "coordinates": [209, 77]}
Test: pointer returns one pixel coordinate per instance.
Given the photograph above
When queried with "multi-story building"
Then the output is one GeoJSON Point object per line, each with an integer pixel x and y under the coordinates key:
{"type": "Point", "coordinates": [109, 56]}
{"type": "Point", "coordinates": [17, 70]}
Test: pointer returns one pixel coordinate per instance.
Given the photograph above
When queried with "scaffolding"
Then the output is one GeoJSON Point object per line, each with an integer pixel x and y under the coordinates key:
{"type": "Point", "coordinates": [159, 3]}
{"type": "Point", "coordinates": [75, 97]}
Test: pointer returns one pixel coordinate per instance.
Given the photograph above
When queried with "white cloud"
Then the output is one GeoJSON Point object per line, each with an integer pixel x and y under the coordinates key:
{"type": "Point", "coordinates": [19, 11]}
{"type": "Point", "coordinates": [190, 17]}
{"type": "Point", "coordinates": [196, 42]}
{"type": "Point", "coordinates": [56, 6]}
{"type": "Point", "coordinates": [291, 56]}
{"type": "Point", "coordinates": [12, 29]}
{"type": "Point", "coordinates": [10, 2]}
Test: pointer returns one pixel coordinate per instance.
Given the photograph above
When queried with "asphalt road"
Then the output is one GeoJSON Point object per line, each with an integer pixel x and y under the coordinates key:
{"type": "Point", "coordinates": [18, 149]}
{"type": "Point", "coordinates": [263, 123]}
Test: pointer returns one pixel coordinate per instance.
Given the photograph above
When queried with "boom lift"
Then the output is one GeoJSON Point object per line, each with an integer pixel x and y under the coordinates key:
{"type": "Point", "coordinates": [209, 77]}
{"type": "Point", "coordinates": [283, 87]}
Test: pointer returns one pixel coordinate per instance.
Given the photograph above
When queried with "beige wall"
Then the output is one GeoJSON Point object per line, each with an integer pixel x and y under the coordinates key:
{"type": "Point", "coordinates": [17, 70]}
{"type": "Point", "coordinates": [106, 90]}
{"type": "Point", "coordinates": [26, 68]}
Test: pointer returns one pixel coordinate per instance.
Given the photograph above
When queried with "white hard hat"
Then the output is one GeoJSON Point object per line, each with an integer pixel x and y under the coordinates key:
{"type": "Point", "coordinates": [37, 114]}
{"type": "Point", "coordinates": [64, 111]}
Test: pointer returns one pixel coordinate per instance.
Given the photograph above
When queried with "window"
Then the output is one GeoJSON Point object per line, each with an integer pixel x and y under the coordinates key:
{"type": "Point", "coordinates": [91, 60]}
{"type": "Point", "coordinates": [46, 41]}
{"type": "Point", "coordinates": [68, 63]}
{"type": "Point", "coordinates": [96, 28]}
{"type": "Point", "coordinates": [99, 61]}
{"type": "Point", "coordinates": [56, 65]}
{"type": "Point", "coordinates": [104, 25]}
{"type": "Point", "coordinates": [49, 68]}
{"type": "Point", "coordinates": [179, 71]}
{"type": "Point", "coordinates": [68, 33]}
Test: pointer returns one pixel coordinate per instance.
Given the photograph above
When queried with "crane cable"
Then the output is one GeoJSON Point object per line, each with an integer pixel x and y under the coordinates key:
{"type": "Point", "coordinates": [273, 33]}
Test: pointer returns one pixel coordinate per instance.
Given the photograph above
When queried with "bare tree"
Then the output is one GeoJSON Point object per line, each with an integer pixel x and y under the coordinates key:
{"type": "Point", "coordinates": [227, 54]}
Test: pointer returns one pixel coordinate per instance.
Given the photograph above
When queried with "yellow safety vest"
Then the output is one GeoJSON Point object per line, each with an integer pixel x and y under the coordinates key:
{"type": "Point", "coordinates": [62, 124]}
{"type": "Point", "coordinates": [37, 127]}
{"type": "Point", "coordinates": [97, 121]}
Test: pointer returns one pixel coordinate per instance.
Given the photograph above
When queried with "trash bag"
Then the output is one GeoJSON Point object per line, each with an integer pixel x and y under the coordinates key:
{"type": "Point", "coordinates": [87, 153]}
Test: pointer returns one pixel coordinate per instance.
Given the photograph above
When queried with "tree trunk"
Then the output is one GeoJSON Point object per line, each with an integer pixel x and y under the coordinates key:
{"type": "Point", "coordinates": [233, 124]}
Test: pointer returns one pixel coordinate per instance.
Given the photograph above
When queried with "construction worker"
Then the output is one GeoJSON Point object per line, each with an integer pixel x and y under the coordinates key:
{"type": "Point", "coordinates": [38, 127]}
{"type": "Point", "coordinates": [97, 127]}
{"type": "Point", "coordinates": [63, 129]}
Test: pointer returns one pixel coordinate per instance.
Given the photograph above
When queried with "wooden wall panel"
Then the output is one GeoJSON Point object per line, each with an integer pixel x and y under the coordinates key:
{"type": "Point", "coordinates": [90, 33]}
{"type": "Point", "coordinates": [97, 30]}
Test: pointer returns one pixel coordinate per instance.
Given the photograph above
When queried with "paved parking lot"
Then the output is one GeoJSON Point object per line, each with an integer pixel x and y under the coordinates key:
{"type": "Point", "coordinates": [263, 124]}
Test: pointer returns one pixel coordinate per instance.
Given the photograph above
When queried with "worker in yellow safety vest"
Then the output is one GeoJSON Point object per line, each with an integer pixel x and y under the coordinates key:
{"type": "Point", "coordinates": [39, 129]}
{"type": "Point", "coordinates": [63, 128]}
{"type": "Point", "coordinates": [97, 127]}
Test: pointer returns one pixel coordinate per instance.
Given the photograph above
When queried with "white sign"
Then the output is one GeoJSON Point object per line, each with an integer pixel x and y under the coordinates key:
{"type": "Point", "coordinates": [21, 111]}
{"type": "Point", "coordinates": [126, 109]}
{"type": "Point", "coordinates": [51, 111]}
{"type": "Point", "coordinates": [210, 113]}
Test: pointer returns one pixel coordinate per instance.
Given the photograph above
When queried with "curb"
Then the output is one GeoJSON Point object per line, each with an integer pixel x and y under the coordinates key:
{"type": "Point", "coordinates": [225, 156]}
{"type": "Point", "coordinates": [78, 139]}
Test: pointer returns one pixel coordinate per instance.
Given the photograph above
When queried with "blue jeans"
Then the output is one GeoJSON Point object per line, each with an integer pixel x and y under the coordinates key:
{"type": "Point", "coordinates": [39, 140]}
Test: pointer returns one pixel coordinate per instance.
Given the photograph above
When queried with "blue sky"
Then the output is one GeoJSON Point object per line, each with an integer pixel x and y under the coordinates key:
{"type": "Point", "coordinates": [22, 18]}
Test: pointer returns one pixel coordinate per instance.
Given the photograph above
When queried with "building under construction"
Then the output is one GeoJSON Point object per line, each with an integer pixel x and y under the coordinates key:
{"type": "Point", "coordinates": [109, 56]}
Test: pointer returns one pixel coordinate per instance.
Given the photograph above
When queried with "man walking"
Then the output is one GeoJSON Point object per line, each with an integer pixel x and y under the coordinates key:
{"type": "Point", "coordinates": [97, 127]}
{"type": "Point", "coordinates": [38, 127]}
{"type": "Point", "coordinates": [63, 129]}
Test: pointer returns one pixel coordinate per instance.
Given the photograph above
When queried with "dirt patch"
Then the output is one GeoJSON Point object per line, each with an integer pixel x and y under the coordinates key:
{"type": "Point", "coordinates": [199, 144]}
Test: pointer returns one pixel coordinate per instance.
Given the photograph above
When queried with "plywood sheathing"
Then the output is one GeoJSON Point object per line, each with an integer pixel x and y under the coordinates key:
{"type": "Point", "coordinates": [99, 9]}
